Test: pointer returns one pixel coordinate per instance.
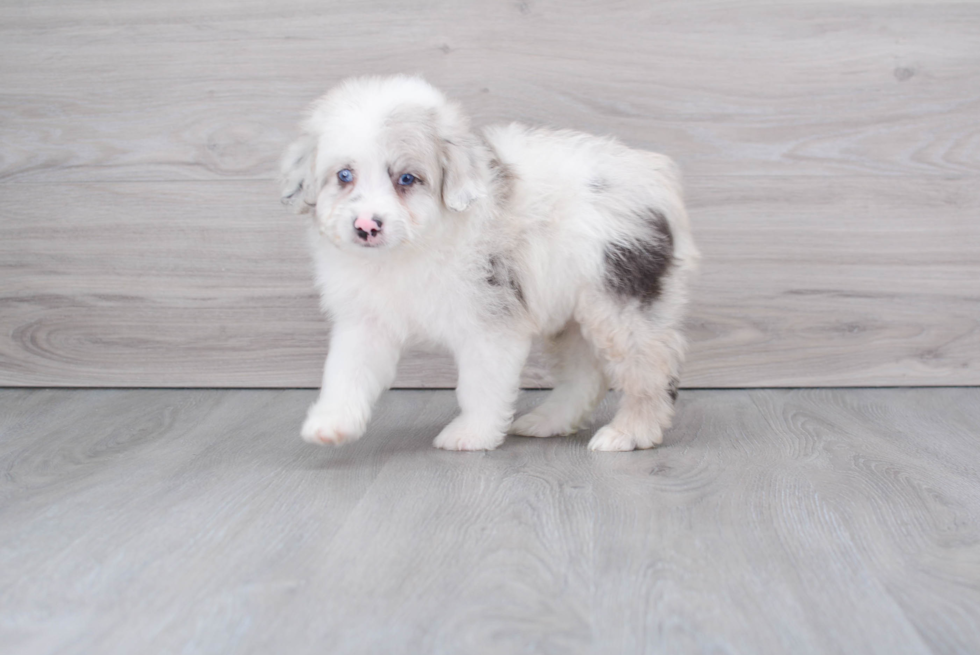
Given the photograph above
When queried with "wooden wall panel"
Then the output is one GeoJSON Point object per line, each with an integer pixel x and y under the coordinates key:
{"type": "Point", "coordinates": [97, 90]}
{"type": "Point", "coordinates": [832, 153]}
{"type": "Point", "coordinates": [805, 281]}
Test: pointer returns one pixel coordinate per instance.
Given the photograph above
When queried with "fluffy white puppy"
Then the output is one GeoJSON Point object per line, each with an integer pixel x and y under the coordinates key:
{"type": "Point", "coordinates": [424, 230]}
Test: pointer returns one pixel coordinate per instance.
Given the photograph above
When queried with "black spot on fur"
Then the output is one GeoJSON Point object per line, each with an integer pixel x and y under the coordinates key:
{"type": "Point", "coordinates": [672, 389]}
{"type": "Point", "coordinates": [634, 268]}
{"type": "Point", "coordinates": [500, 274]}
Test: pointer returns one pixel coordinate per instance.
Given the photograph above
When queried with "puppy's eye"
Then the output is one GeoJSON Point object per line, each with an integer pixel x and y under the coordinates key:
{"type": "Point", "coordinates": [407, 179]}
{"type": "Point", "coordinates": [345, 176]}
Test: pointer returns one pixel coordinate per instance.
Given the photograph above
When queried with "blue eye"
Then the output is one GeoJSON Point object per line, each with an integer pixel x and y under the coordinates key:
{"type": "Point", "coordinates": [345, 176]}
{"type": "Point", "coordinates": [407, 179]}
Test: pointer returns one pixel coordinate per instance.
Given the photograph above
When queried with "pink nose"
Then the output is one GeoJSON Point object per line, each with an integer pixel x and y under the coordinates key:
{"type": "Point", "coordinates": [367, 227]}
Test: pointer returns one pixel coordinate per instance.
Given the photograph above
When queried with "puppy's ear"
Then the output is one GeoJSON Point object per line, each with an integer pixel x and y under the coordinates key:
{"type": "Point", "coordinates": [463, 175]}
{"type": "Point", "coordinates": [298, 175]}
{"type": "Point", "coordinates": [464, 165]}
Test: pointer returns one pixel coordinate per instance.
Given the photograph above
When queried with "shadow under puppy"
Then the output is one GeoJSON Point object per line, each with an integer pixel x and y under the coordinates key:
{"type": "Point", "coordinates": [426, 231]}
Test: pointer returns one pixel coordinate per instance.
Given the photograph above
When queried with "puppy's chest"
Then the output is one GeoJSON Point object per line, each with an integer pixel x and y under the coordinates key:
{"type": "Point", "coordinates": [422, 298]}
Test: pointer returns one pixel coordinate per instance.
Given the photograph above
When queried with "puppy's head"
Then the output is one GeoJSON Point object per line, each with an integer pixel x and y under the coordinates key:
{"type": "Point", "coordinates": [381, 162]}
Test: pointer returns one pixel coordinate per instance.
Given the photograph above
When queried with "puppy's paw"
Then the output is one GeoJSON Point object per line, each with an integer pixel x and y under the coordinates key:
{"type": "Point", "coordinates": [542, 424]}
{"type": "Point", "coordinates": [330, 425]}
{"type": "Point", "coordinates": [611, 439]}
{"type": "Point", "coordinates": [464, 434]}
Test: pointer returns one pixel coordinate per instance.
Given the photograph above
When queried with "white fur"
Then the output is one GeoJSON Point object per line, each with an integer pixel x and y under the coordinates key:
{"type": "Point", "coordinates": [507, 237]}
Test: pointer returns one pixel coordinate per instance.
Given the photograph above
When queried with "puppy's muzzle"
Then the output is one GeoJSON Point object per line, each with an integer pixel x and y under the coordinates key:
{"type": "Point", "coordinates": [368, 229]}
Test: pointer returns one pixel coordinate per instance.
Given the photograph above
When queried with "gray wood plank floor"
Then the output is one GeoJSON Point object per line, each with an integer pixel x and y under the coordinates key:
{"type": "Point", "coordinates": [770, 521]}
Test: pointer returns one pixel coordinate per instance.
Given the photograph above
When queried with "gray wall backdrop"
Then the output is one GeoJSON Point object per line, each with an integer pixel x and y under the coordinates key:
{"type": "Point", "coordinates": [831, 151]}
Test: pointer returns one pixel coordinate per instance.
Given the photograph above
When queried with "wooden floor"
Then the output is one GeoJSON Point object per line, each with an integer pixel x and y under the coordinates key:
{"type": "Point", "coordinates": [772, 521]}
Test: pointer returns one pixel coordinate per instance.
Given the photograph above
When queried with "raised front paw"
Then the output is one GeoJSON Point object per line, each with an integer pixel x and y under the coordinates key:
{"type": "Point", "coordinates": [465, 434]}
{"type": "Point", "coordinates": [333, 425]}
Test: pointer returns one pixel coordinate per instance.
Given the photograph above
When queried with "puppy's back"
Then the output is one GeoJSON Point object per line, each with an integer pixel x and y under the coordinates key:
{"type": "Point", "coordinates": [596, 187]}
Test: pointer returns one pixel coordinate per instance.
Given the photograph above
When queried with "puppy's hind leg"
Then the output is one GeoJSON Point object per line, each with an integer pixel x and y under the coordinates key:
{"type": "Point", "coordinates": [642, 353]}
{"type": "Point", "coordinates": [579, 386]}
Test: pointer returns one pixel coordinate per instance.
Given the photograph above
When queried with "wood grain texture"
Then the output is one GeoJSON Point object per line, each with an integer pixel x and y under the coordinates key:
{"type": "Point", "coordinates": [209, 284]}
{"type": "Point", "coordinates": [770, 521]}
{"type": "Point", "coordinates": [832, 153]}
{"type": "Point", "coordinates": [208, 90]}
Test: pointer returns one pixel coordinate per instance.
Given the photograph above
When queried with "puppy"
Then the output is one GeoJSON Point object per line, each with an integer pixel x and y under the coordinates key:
{"type": "Point", "coordinates": [424, 230]}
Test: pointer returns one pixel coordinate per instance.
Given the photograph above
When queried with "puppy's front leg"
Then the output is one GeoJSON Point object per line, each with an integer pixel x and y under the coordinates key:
{"type": "Point", "coordinates": [360, 365]}
{"type": "Point", "coordinates": [489, 380]}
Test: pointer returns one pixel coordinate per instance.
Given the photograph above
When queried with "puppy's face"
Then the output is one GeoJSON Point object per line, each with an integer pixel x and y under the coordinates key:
{"type": "Point", "coordinates": [381, 163]}
{"type": "Point", "coordinates": [379, 184]}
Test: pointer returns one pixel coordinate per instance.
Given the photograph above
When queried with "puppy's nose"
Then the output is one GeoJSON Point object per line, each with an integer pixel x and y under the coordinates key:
{"type": "Point", "coordinates": [367, 227]}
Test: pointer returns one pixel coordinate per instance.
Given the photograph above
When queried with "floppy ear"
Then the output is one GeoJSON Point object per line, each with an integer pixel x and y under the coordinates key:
{"type": "Point", "coordinates": [463, 175]}
{"type": "Point", "coordinates": [298, 175]}
{"type": "Point", "coordinates": [464, 166]}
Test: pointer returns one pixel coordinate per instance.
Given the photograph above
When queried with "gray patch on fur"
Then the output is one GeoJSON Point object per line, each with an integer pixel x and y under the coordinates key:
{"type": "Point", "coordinates": [502, 179]}
{"type": "Point", "coordinates": [635, 268]}
{"type": "Point", "coordinates": [502, 275]}
{"type": "Point", "coordinates": [411, 137]}
{"type": "Point", "coordinates": [672, 389]}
